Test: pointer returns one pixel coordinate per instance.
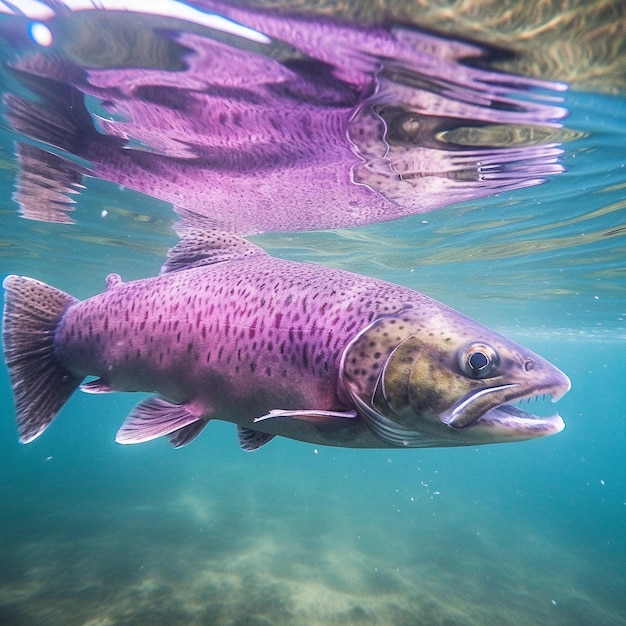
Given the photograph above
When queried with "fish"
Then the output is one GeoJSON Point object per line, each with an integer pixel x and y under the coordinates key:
{"type": "Point", "coordinates": [394, 121]}
{"type": "Point", "coordinates": [279, 348]}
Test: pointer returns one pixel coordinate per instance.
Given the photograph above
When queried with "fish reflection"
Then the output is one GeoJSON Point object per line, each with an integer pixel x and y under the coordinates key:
{"type": "Point", "coordinates": [301, 125]}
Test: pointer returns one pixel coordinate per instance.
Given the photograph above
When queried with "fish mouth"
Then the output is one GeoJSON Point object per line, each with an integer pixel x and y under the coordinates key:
{"type": "Point", "coordinates": [497, 409]}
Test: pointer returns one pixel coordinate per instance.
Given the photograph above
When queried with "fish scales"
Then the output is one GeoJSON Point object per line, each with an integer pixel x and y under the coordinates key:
{"type": "Point", "coordinates": [272, 323]}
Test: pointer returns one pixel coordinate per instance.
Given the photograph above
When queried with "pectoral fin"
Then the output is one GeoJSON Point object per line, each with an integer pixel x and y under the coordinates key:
{"type": "Point", "coordinates": [306, 415]}
{"type": "Point", "coordinates": [154, 418]}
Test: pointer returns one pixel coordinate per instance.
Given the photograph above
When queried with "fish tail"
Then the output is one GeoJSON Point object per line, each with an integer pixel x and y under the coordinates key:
{"type": "Point", "coordinates": [47, 182]}
{"type": "Point", "coordinates": [41, 384]}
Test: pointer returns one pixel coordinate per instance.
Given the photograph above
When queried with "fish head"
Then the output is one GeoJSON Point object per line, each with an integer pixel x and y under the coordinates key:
{"type": "Point", "coordinates": [428, 376]}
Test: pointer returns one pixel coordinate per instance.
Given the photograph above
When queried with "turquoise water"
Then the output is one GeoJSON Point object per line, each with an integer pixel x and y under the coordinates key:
{"type": "Point", "coordinates": [531, 533]}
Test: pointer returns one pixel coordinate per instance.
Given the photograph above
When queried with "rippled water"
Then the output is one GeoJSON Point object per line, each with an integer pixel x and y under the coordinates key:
{"type": "Point", "coordinates": [96, 533]}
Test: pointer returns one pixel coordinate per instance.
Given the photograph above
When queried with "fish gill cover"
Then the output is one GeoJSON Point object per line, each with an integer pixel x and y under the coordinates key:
{"type": "Point", "coordinates": [249, 121]}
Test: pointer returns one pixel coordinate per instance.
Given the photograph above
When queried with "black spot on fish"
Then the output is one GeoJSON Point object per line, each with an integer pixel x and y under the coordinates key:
{"type": "Point", "coordinates": [190, 346]}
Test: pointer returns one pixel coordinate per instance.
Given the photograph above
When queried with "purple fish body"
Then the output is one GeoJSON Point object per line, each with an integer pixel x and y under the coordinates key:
{"type": "Point", "coordinates": [278, 348]}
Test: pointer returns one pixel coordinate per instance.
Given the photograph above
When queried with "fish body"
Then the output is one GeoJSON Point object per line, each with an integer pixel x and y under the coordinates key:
{"type": "Point", "coordinates": [278, 348]}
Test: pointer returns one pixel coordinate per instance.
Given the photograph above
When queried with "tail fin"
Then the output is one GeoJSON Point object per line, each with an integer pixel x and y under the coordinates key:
{"type": "Point", "coordinates": [41, 385]}
{"type": "Point", "coordinates": [46, 179]}
{"type": "Point", "coordinates": [45, 183]}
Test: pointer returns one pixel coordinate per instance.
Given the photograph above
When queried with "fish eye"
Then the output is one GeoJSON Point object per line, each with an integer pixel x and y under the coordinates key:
{"type": "Point", "coordinates": [478, 360]}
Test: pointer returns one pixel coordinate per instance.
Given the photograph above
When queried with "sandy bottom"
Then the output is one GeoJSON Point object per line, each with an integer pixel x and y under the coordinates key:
{"type": "Point", "coordinates": [201, 556]}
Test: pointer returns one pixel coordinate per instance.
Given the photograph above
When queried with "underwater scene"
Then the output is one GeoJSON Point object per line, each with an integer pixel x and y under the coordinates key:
{"type": "Point", "coordinates": [313, 312]}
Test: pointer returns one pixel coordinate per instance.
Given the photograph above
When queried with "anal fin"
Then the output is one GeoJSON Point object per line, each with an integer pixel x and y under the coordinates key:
{"type": "Point", "coordinates": [250, 439]}
{"type": "Point", "coordinates": [152, 418]}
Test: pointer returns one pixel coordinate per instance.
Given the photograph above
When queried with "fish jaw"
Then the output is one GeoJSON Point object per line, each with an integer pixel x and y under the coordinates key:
{"type": "Point", "coordinates": [505, 421]}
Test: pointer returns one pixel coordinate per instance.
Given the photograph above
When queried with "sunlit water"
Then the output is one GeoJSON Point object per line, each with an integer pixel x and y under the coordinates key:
{"type": "Point", "coordinates": [95, 533]}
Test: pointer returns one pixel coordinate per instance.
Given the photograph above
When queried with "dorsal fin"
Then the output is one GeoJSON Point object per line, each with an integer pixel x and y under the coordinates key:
{"type": "Point", "coordinates": [205, 247]}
